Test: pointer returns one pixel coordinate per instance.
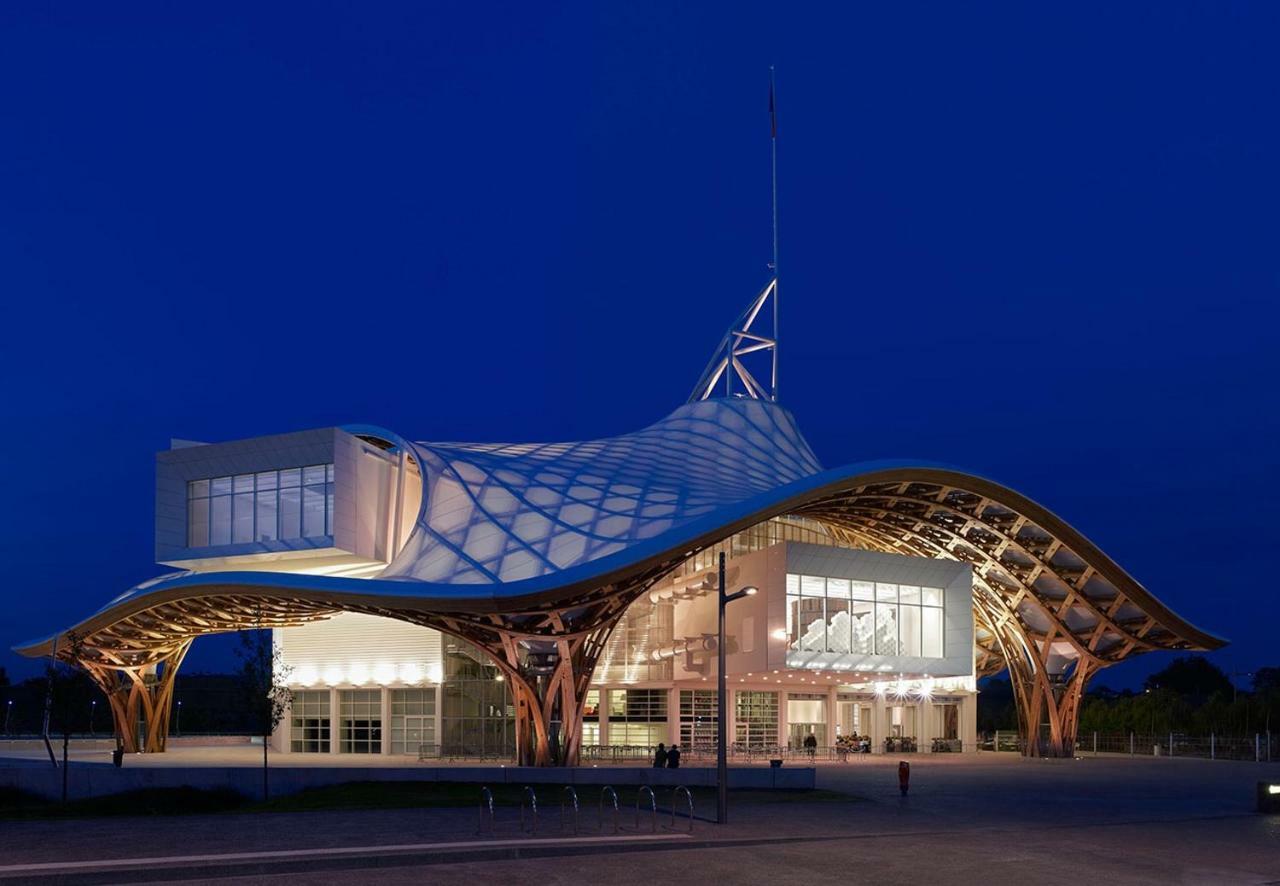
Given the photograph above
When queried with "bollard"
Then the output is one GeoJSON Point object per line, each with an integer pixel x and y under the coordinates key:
{"type": "Point", "coordinates": [904, 776]}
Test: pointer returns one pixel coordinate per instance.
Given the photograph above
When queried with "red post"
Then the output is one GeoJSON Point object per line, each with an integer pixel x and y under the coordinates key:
{"type": "Point", "coordinates": [904, 777]}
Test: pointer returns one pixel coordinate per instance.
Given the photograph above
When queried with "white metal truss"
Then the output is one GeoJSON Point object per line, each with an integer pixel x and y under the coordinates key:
{"type": "Point", "coordinates": [727, 361]}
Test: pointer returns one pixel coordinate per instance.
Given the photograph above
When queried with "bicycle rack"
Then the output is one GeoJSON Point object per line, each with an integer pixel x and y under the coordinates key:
{"type": "Point", "coordinates": [689, 797]}
{"type": "Point", "coordinates": [533, 805]}
{"type": "Point", "coordinates": [613, 795]}
{"type": "Point", "coordinates": [653, 806]}
{"type": "Point", "coordinates": [569, 792]}
{"type": "Point", "coordinates": [486, 805]}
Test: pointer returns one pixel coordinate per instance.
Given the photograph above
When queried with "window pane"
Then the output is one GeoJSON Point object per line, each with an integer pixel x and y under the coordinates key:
{"type": "Point", "coordinates": [931, 646]}
{"type": "Point", "coordinates": [908, 594]}
{"type": "Point", "coordinates": [793, 583]}
{"type": "Point", "coordinates": [266, 480]}
{"type": "Point", "coordinates": [313, 511]}
{"type": "Point", "coordinates": [863, 643]}
{"type": "Point", "coordinates": [886, 628]}
{"type": "Point", "coordinates": [909, 630]}
{"type": "Point", "coordinates": [838, 587]}
{"type": "Point", "coordinates": [888, 593]}
{"type": "Point", "coordinates": [242, 522]}
{"type": "Point", "coordinates": [312, 475]}
{"type": "Point", "coordinates": [267, 529]}
{"type": "Point", "coordinates": [244, 483]}
{"type": "Point", "coordinates": [863, 590]}
{"type": "Point", "coordinates": [291, 477]}
{"type": "Point", "coordinates": [290, 511]}
{"type": "Point", "coordinates": [220, 520]}
{"type": "Point", "coordinates": [328, 473]}
{"type": "Point", "coordinates": [197, 488]}
{"type": "Point", "coordinates": [838, 625]}
{"type": "Point", "coordinates": [198, 522]}
{"type": "Point", "coordinates": [328, 509]}
{"type": "Point", "coordinates": [931, 596]}
{"type": "Point", "coordinates": [813, 586]}
{"type": "Point", "coordinates": [220, 485]}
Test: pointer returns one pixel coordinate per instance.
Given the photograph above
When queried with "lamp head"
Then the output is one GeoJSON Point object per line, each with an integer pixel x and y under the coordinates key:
{"type": "Point", "coordinates": [751, 590]}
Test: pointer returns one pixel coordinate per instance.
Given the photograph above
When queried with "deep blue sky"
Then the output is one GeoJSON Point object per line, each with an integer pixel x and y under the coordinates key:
{"type": "Point", "coordinates": [1041, 245]}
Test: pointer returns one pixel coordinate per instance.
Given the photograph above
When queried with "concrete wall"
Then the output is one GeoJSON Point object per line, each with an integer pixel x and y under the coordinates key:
{"type": "Point", "coordinates": [96, 780]}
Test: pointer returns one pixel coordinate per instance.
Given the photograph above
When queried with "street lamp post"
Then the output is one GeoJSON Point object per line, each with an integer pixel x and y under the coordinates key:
{"type": "Point", "coordinates": [93, 709]}
{"type": "Point", "coordinates": [722, 751]}
{"type": "Point", "coordinates": [178, 719]}
{"type": "Point", "coordinates": [8, 712]}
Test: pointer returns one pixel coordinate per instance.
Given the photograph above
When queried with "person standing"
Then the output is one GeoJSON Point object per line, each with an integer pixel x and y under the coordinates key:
{"type": "Point", "coordinates": [673, 757]}
{"type": "Point", "coordinates": [660, 756]}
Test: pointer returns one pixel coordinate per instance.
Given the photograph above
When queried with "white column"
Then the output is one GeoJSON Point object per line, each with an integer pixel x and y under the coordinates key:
{"type": "Point", "coordinates": [335, 720]}
{"type": "Point", "coordinates": [604, 716]}
{"type": "Point", "coordinates": [833, 712]}
{"type": "Point", "coordinates": [878, 726]}
{"type": "Point", "coordinates": [439, 708]}
{"type": "Point", "coordinates": [784, 724]}
{"type": "Point", "coordinates": [969, 722]}
{"type": "Point", "coordinates": [925, 719]}
{"type": "Point", "coordinates": [673, 717]}
{"type": "Point", "coordinates": [385, 695]}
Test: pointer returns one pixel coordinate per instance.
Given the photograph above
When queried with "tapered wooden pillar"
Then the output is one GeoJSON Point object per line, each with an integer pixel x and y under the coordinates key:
{"type": "Point", "coordinates": [548, 688]}
{"type": "Point", "coordinates": [144, 692]}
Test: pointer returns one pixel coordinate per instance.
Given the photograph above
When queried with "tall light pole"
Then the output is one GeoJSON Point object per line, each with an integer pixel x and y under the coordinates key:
{"type": "Point", "coordinates": [93, 709]}
{"type": "Point", "coordinates": [8, 712]}
{"type": "Point", "coordinates": [178, 719]}
{"type": "Point", "coordinates": [722, 751]}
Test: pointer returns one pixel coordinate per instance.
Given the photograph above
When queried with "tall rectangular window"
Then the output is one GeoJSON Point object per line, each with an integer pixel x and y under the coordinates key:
{"type": "Point", "coordinates": [637, 717]}
{"type": "Point", "coordinates": [360, 721]}
{"type": "Point", "coordinates": [699, 714]}
{"type": "Point", "coordinates": [309, 722]}
{"type": "Point", "coordinates": [756, 721]}
{"type": "Point", "coordinates": [413, 721]}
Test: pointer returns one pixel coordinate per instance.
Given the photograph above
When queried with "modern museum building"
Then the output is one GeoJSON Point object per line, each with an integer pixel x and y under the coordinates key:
{"type": "Point", "coordinates": [557, 603]}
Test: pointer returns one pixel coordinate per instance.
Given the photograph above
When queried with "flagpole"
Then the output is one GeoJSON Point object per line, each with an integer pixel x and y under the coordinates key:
{"type": "Point", "coordinates": [773, 142]}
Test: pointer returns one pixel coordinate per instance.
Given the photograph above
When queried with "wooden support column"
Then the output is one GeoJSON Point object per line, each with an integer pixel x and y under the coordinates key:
{"type": "Point", "coordinates": [130, 693]}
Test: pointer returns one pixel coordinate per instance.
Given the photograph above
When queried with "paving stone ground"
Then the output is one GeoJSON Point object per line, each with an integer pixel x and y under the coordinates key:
{"type": "Point", "coordinates": [987, 818]}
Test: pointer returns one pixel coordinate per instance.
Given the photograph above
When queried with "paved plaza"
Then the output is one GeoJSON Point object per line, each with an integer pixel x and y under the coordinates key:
{"type": "Point", "coordinates": [986, 818]}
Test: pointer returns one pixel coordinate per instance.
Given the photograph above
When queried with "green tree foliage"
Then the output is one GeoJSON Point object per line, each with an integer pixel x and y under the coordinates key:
{"type": "Point", "coordinates": [1192, 677]}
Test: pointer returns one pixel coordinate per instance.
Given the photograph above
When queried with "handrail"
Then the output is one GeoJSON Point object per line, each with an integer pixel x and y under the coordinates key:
{"type": "Point", "coordinates": [486, 803]}
{"type": "Point", "coordinates": [689, 797]}
{"type": "Point", "coordinates": [653, 806]}
{"type": "Point", "coordinates": [573, 795]}
{"type": "Point", "coordinates": [533, 805]}
{"type": "Point", "coordinates": [600, 820]}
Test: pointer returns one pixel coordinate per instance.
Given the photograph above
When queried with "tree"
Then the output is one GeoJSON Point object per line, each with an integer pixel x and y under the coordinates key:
{"type": "Point", "coordinates": [71, 694]}
{"type": "Point", "coordinates": [1193, 678]}
{"type": "Point", "coordinates": [264, 681]}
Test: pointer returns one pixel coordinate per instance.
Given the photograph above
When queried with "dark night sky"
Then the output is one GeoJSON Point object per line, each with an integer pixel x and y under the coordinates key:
{"type": "Point", "coordinates": [1038, 244]}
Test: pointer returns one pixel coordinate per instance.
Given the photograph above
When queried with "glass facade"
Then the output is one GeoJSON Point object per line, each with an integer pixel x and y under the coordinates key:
{"type": "Point", "coordinates": [360, 721]}
{"type": "Point", "coordinates": [699, 716]}
{"type": "Point", "coordinates": [477, 717]}
{"type": "Point", "coordinates": [309, 719]}
{"type": "Point", "coordinates": [591, 718]}
{"type": "Point", "coordinates": [806, 715]}
{"type": "Point", "coordinates": [267, 506]}
{"type": "Point", "coordinates": [413, 720]}
{"type": "Point", "coordinates": [637, 717]}
{"type": "Point", "coordinates": [644, 627]}
{"type": "Point", "coordinates": [756, 723]}
{"type": "Point", "coordinates": [863, 617]}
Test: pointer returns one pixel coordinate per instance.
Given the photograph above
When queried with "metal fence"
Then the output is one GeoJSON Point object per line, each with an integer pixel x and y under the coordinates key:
{"type": "Point", "coordinates": [1260, 747]}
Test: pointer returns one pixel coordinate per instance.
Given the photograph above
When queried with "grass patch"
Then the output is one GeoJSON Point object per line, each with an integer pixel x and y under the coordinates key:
{"type": "Point", "coordinates": [145, 801]}
{"type": "Point", "coordinates": [356, 795]}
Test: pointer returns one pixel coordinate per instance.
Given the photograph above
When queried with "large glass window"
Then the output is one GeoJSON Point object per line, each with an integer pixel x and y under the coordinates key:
{"type": "Point", "coordinates": [699, 714]}
{"type": "Point", "coordinates": [413, 720]}
{"type": "Point", "coordinates": [591, 718]}
{"type": "Point", "coordinates": [361, 721]}
{"type": "Point", "coordinates": [477, 717]}
{"type": "Point", "coordinates": [756, 723]}
{"type": "Point", "coordinates": [268, 505]}
{"type": "Point", "coordinates": [806, 715]}
{"type": "Point", "coordinates": [309, 722]}
{"type": "Point", "coordinates": [637, 717]}
{"type": "Point", "coordinates": [864, 618]}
